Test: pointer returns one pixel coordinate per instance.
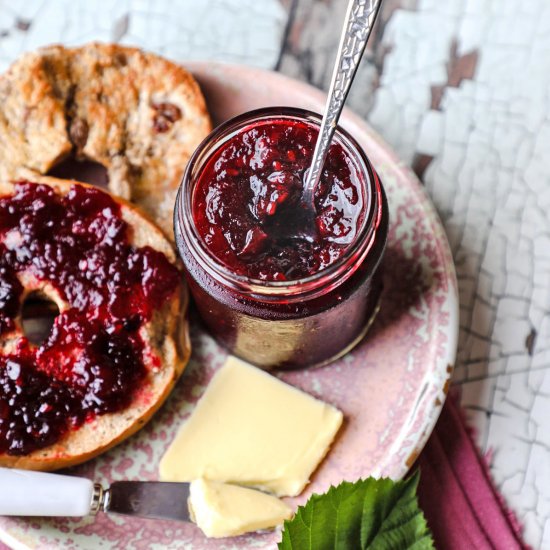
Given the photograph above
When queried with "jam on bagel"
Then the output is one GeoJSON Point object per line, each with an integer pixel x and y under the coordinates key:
{"type": "Point", "coordinates": [76, 249]}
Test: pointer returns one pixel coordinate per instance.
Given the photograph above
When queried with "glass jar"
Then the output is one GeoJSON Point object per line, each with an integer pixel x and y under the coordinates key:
{"type": "Point", "coordinates": [291, 323]}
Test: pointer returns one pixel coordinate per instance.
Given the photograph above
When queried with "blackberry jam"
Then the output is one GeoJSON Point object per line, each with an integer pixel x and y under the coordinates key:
{"type": "Point", "coordinates": [94, 359]}
{"type": "Point", "coordinates": [280, 283]}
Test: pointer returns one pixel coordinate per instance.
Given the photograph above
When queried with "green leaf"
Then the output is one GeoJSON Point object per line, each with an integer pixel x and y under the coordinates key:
{"type": "Point", "coordinates": [373, 514]}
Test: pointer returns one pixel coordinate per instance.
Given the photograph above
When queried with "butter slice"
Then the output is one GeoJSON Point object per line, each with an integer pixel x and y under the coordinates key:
{"type": "Point", "coordinates": [249, 428]}
{"type": "Point", "coordinates": [223, 510]}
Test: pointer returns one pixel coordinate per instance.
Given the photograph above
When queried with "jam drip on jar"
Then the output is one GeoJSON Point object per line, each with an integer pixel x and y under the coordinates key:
{"type": "Point", "coordinates": [247, 203]}
{"type": "Point", "coordinates": [93, 360]}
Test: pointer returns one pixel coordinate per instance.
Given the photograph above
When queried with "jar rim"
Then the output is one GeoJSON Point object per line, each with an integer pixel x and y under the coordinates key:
{"type": "Point", "coordinates": [326, 278]}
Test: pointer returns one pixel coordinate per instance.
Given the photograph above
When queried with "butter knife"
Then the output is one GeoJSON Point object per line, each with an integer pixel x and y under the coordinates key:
{"type": "Point", "coordinates": [26, 493]}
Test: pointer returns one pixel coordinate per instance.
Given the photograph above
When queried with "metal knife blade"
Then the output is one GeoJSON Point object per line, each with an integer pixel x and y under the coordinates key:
{"type": "Point", "coordinates": [150, 499]}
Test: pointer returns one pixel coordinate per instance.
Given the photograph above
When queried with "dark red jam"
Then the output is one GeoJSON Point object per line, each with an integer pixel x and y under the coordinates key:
{"type": "Point", "coordinates": [94, 357]}
{"type": "Point", "coordinates": [248, 210]}
{"type": "Point", "coordinates": [278, 284]}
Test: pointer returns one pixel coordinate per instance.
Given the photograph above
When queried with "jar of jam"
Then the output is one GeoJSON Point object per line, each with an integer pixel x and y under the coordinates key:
{"type": "Point", "coordinates": [278, 282]}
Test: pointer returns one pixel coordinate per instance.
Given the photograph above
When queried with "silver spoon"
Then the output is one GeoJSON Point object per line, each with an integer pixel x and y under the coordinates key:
{"type": "Point", "coordinates": [358, 24]}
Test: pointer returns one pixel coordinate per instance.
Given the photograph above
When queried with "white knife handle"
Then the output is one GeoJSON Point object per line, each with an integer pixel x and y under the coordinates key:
{"type": "Point", "coordinates": [24, 493]}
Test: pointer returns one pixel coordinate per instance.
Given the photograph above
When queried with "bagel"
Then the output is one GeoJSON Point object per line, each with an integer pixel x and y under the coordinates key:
{"type": "Point", "coordinates": [135, 113]}
{"type": "Point", "coordinates": [150, 327]}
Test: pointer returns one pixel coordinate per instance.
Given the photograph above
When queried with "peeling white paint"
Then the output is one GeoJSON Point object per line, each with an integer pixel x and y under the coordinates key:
{"type": "Point", "coordinates": [490, 180]}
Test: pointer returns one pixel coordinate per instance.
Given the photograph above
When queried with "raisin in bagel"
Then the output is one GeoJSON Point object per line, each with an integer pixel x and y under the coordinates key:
{"type": "Point", "coordinates": [137, 114]}
{"type": "Point", "coordinates": [120, 340]}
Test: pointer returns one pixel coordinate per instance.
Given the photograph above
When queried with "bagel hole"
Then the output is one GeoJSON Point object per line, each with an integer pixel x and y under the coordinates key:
{"type": "Point", "coordinates": [85, 170]}
{"type": "Point", "coordinates": [38, 314]}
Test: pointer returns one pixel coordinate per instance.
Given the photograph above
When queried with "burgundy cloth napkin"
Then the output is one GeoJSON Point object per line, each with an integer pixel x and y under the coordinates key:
{"type": "Point", "coordinates": [463, 509]}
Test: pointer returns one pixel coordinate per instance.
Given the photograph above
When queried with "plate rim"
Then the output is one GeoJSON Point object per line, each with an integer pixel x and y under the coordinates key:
{"type": "Point", "coordinates": [355, 123]}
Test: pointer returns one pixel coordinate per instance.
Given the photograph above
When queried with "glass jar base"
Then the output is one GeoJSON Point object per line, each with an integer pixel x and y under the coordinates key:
{"type": "Point", "coordinates": [344, 351]}
{"type": "Point", "coordinates": [353, 344]}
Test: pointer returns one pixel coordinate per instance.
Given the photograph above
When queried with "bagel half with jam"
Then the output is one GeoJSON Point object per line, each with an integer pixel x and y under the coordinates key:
{"type": "Point", "coordinates": [120, 341]}
{"type": "Point", "coordinates": [137, 114]}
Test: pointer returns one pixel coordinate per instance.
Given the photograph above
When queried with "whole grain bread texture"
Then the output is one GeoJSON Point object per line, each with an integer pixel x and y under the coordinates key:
{"type": "Point", "coordinates": [137, 114]}
{"type": "Point", "coordinates": [166, 335]}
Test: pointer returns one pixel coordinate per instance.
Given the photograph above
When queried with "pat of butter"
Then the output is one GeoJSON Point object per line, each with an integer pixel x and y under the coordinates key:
{"type": "Point", "coordinates": [223, 510]}
{"type": "Point", "coordinates": [250, 428]}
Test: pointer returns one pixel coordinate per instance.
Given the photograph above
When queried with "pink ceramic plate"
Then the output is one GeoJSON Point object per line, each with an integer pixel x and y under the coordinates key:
{"type": "Point", "coordinates": [391, 388]}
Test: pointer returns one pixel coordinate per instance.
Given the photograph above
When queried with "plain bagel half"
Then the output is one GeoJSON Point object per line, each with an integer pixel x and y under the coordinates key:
{"type": "Point", "coordinates": [137, 114]}
{"type": "Point", "coordinates": [165, 336]}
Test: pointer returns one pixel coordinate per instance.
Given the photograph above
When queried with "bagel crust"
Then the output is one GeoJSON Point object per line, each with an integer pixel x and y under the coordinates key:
{"type": "Point", "coordinates": [135, 113]}
{"type": "Point", "coordinates": [165, 337]}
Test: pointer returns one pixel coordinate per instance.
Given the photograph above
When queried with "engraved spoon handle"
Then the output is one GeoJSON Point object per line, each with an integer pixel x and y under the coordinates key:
{"type": "Point", "coordinates": [358, 24]}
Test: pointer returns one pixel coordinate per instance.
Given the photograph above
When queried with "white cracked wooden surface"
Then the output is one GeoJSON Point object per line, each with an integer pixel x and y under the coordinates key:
{"type": "Point", "coordinates": [461, 89]}
{"type": "Point", "coordinates": [490, 181]}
